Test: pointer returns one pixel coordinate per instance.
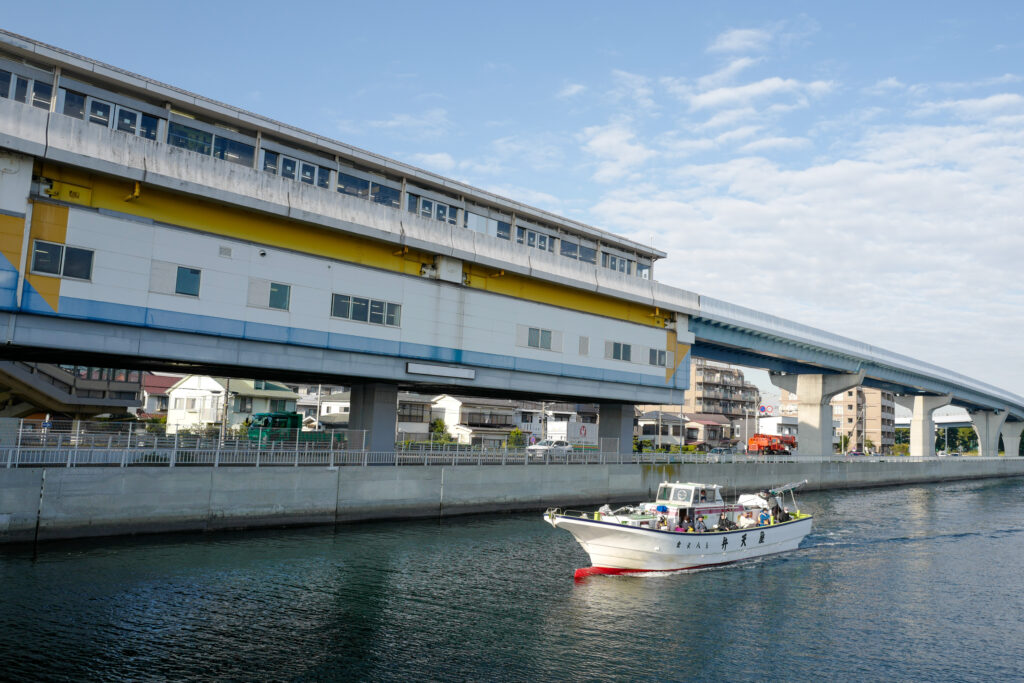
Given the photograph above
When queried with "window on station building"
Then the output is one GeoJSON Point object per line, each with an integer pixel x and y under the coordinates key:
{"type": "Point", "coordinates": [187, 281]}
{"type": "Point", "coordinates": [388, 196]}
{"type": "Point", "coordinates": [233, 151]}
{"type": "Point", "coordinates": [620, 351]}
{"type": "Point", "coordinates": [5, 84]}
{"type": "Point", "coordinates": [280, 295]}
{"type": "Point", "coordinates": [658, 357]}
{"type": "Point", "coordinates": [189, 138]}
{"type": "Point", "coordinates": [366, 310]}
{"type": "Point", "coordinates": [41, 94]}
{"type": "Point", "coordinates": [535, 239]}
{"type": "Point", "coordinates": [617, 263]}
{"type": "Point", "coordinates": [429, 208]}
{"type": "Point", "coordinates": [539, 339]}
{"type": "Point", "coordinates": [57, 259]}
{"type": "Point", "coordinates": [351, 185]}
{"type": "Point", "coordinates": [488, 226]}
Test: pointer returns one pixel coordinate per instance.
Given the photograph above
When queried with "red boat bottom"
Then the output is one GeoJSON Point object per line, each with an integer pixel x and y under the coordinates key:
{"type": "Point", "coordinates": [584, 572]}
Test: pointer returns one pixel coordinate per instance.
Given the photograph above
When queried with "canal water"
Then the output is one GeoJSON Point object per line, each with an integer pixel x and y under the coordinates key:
{"type": "Point", "coordinates": [912, 583]}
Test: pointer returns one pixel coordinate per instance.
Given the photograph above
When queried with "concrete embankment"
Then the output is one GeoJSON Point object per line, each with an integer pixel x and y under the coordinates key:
{"type": "Point", "coordinates": [55, 503]}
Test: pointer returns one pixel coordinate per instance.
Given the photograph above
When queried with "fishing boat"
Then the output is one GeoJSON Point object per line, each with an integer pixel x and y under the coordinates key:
{"type": "Point", "coordinates": [668, 534]}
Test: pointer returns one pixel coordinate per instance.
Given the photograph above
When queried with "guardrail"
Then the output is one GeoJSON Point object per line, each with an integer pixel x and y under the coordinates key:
{"type": "Point", "coordinates": [286, 455]}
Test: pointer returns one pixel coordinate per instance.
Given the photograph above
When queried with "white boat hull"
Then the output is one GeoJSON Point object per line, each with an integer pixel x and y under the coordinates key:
{"type": "Point", "coordinates": [617, 548]}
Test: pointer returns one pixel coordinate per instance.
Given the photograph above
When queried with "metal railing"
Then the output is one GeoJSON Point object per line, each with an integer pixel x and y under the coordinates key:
{"type": "Point", "coordinates": [26, 443]}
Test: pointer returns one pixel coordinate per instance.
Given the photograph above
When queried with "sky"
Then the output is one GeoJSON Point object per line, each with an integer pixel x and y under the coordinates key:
{"type": "Point", "coordinates": [857, 167]}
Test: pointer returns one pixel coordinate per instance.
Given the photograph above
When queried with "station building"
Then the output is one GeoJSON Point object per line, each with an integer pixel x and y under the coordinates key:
{"type": "Point", "coordinates": [143, 224]}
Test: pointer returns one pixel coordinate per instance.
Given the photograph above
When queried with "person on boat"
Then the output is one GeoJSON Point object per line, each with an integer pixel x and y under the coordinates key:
{"type": "Point", "coordinates": [725, 524]}
{"type": "Point", "coordinates": [765, 518]}
{"type": "Point", "coordinates": [747, 520]}
{"type": "Point", "coordinates": [703, 496]}
{"type": "Point", "coordinates": [700, 527]}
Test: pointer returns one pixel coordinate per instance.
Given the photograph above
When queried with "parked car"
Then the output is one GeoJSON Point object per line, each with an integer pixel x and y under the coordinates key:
{"type": "Point", "coordinates": [550, 449]}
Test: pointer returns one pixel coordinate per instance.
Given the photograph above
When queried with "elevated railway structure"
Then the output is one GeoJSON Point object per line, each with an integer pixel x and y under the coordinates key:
{"type": "Point", "coordinates": [145, 226]}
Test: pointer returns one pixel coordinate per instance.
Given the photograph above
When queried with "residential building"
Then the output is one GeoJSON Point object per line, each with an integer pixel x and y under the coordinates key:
{"type": "Point", "coordinates": [867, 418]}
{"type": "Point", "coordinates": [199, 401]}
{"type": "Point", "coordinates": [477, 421]}
{"type": "Point", "coordinates": [719, 389]}
{"type": "Point", "coordinates": [155, 400]}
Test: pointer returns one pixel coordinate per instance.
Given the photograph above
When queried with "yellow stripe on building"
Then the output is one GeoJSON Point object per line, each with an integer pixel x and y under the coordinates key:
{"type": "Point", "coordinates": [228, 221]}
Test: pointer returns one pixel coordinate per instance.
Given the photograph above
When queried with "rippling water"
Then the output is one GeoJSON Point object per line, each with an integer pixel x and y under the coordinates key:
{"type": "Point", "coordinates": [913, 583]}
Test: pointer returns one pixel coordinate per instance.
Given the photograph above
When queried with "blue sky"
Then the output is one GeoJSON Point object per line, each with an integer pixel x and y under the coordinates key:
{"type": "Point", "coordinates": [853, 166]}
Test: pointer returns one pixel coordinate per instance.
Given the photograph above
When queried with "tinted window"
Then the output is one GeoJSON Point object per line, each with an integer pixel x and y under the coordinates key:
{"type": "Point", "coordinates": [187, 282]}
{"type": "Point", "coordinates": [308, 173]}
{"type": "Point", "coordinates": [235, 152]}
{"type": "Point", "coordinates": [270, 162]}
{"type": "Point", "coordinates": [323, 177]}
{"type": "Point", "coordinates": [388, 196]}
{"type": "Point", "coordinates": [356, 187]}
{"type": "Point", "coordinates": [99, 113]}
{"type": "Point", "coordinates": [21, 89]}
{"type": "Point", "coordinates": [189, 138]}
{"type": "Point", "coordinates": [288, 168]}
{"type": "Point", "coordinates": [394, 316]}
{"type": "Point", "coordinates": [279, 295]}
{"type": "Point", "coordinates": [77, 263]}
{"type": "Point", "coordinates": [74, 104]}
{"type": "Point", "coordinates": [41, 94]}
{"type": "Point", "coordinates": [341, 306]}
{"type": "Point", "coordinates": [5, 83]}
{"type": "Point", "coordinates": [377, 312]}
{"type": "Point", "coordinates": [360, 309]}
{"type": "Point", "coordinates": [127, 121]}
{"type": "Point", "coordinates": [46, 258]}
{"type": "Point", "coordinates": [504, 230]}
{"type": "Point", "coordinates": [147, 128]}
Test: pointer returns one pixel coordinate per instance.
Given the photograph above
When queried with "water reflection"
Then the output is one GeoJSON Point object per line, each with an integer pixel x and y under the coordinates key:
{"type": "Point", "coordinates": [888, 579]}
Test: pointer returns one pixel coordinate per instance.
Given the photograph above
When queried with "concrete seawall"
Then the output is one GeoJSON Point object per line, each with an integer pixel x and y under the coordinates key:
{"type": "Point", "coordinates": [58, 503]}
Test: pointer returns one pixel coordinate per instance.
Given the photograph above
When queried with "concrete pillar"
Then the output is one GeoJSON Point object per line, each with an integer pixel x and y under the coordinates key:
{"type": "Point", "coordinates": [615, 421]}
{"type": "Point", "coordinates": [1011, 437]}
{"type": "Point", "coordinates": [814, 414]}
{"type": "Point", "coordinates": [922, 426]}
{"type": "Point", "coordinates": [987, 424]}
{"type": "Point", "coordinates": [374, 407]}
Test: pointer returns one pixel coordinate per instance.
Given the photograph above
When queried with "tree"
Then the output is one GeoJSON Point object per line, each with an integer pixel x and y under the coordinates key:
{"type": "Point", "coordinates": [869, 445]}
{"type": "Point", "coordinates": [844, 441]}
{"type": "Point", "coordinates": [438, 431]}
{"type": "Point", "coordinates": [516, 438]}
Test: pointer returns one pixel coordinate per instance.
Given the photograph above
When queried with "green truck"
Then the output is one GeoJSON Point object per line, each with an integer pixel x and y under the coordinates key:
{"type": "Point", "coordinates": [287, 428]}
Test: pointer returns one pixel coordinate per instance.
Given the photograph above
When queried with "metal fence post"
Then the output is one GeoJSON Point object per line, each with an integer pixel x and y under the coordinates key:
{"type": "Point", "coordinates": [216, 454]}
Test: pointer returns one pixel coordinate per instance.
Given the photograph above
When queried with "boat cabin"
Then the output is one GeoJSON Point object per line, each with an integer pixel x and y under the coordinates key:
{"type": "Point", "coordinates": [688, 494]}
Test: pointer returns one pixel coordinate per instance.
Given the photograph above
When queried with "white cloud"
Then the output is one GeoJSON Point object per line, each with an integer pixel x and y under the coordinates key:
{"type": "Point", "coordinates": [977, 108]}
{"type": "Point", "coordinates": [909, 240]}
{"type": "Point", "coordinates": [744, 95]}
{"type": "Point", "coordinates": [885, 86]}
{"type": "Point", "coordinates": [774, 143]}
{"type": "Point", "coordinates": [632, 88]}
{"type": "Point", "coordinates": [432, 123]}
{"type": "Point", "coordinates": [441, 162]}
{"type": "Point", "coordinates": [616, 149]}
{"type": "Point", "coordinates": [726, 73]}
{"type": "Point", "coordinates": [740, 40]}
{"type": "Point", "coordinates": [571, 90]}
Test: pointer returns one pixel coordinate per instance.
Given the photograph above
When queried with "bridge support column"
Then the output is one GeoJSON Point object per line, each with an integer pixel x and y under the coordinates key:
{"type": "Point", "coordinates": [375, 409]}
{"type": "Point", "coordinates": [1011, 437]}
{"type": "Point", "coordinates": [987, 424]}
{"type": "Point", "coordinates": [615, 421]}
{"type": "Point", "coordinates": [922, 426]}
{"type": "Point", "coordinates": [814, 414]}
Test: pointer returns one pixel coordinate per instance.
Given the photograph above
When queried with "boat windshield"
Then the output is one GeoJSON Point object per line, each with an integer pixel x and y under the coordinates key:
{"type": "Point", "coordinates": [682, 495]}
{"type": "Point", "coordinates": [665, 493]}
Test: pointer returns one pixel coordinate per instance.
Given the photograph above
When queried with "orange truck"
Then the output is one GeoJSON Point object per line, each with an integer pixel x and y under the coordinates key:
{"type": "Point", "coordinates": [771, 443]}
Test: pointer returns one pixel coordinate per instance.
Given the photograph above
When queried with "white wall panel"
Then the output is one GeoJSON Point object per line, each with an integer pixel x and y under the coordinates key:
{"type": "Point", "coordinates": [133, 258]}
